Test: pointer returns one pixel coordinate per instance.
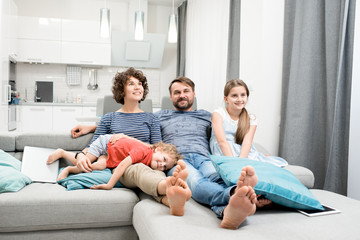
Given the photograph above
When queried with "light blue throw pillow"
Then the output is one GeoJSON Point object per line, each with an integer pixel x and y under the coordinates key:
{"type": "Point", "coordinates": [87, 180]}
{"type": "Point", "coordinates": [11, 179]}
{"type": "Point", "coordinates": [274, 183]}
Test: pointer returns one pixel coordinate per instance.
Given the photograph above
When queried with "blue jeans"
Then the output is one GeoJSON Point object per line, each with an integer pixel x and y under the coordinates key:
{"type": "Point", "coordinates": [206, 185]}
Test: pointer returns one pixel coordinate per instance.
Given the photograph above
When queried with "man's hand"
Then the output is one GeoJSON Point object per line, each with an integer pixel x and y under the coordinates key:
{"type": "Point", "coordinates": [83, 163]}
{"type": "Point", "coordinates": [102, 186]}
{"type": "Point", "coordinates": [80, 130]}
{"type": "Point", "coordinates": [116, 137]}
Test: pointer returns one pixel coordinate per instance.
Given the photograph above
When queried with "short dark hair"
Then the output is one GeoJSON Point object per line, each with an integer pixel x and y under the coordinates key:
{"type": "Point", "coordinates": [183, 80]}
{"type": "Point", "coordinates": [119, 83]}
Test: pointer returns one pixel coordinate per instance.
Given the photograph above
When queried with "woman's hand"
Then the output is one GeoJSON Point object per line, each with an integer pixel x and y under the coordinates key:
{"type": "Point", "coordinates": [80, 130]}
{"type": "Point", "coordinates": [102, 186]}
{"type": "Point", "coordinates": [116, 137]}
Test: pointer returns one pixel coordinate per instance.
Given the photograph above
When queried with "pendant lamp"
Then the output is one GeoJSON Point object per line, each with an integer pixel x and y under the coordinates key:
{"type": "Point", "coordinates": [139, 25]}
{"type": "Point", "coordinates": [105, 27]}
{"type": "Point", "coordinates": [172, 35]}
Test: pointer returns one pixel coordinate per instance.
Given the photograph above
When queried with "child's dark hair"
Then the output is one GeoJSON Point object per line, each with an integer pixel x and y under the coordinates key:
{"type": "Point", "coordinates": [244, 119]}
{"type": "Point", "coordinates": [119, 83]}
{"type": "Point", "coordinates": [169, 149]}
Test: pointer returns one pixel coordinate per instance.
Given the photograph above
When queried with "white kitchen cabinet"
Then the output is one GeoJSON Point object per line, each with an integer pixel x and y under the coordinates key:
{"type": "Point", "coordinates": [39, 40]}
{"type": "Point", "coordinates": [89, 111]}
{"type": "Point", "coordinates": [86, 53]}
{"type": "Point", "coordinates": [36, 118]}
{"type": "Point", "coordinates": [90, 31]}
{"type": "Point", "coordinates": [39, 51]}
{"type": "Point", "coordinates": [13, 24]}
{"type": "Point", "coordinates": [85, 46]}
{"type": "Point", "coordinates": [39, 28]}
{"type": "Point", "coordinates": [64, 117]}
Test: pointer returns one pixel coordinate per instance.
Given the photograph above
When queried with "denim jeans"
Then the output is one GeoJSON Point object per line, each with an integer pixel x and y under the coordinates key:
{"type": "Point", "coordinates": [206, 185]}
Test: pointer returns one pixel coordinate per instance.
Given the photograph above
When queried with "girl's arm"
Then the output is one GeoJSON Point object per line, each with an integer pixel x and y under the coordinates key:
{"type": "Point", "coordinates": [117, 173]}
{"type": "Point", "coordinates": [217, 126]}
{"type": "Point", "coordinates": [247, 141]}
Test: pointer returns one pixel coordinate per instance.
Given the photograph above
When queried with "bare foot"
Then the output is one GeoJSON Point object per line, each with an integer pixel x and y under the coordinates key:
{"type": "Point", "coordinates": [262, 202]}
{"type": "Point", "coordinates": [180, 170]}
{"type": "Point", "coordinates": [58, 153]}
{"type": "Point", "coordinates": [248, 177]}
{"type": "Point", "coordinates": [63, 174]}
{"type": "Point", "coordinates": [241, 205]}
{"type": "Point", "coordinates": [177, 193]}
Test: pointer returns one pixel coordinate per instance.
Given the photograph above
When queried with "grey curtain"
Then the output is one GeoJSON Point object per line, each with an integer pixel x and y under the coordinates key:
{"type": "Point", "coordinates": [316, 88]}
{"type": "Point", "coordinates": [233, 58]}
{"type": "Point", "coordinates": [181, 42]}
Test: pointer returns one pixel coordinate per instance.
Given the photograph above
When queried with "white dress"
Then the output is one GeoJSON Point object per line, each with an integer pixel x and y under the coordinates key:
{"type": "Point", "coordinates": [230, 127]}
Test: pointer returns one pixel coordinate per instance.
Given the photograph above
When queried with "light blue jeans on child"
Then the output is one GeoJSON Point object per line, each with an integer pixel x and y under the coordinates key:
{"type": "Point", "coordinates": [206, 185]}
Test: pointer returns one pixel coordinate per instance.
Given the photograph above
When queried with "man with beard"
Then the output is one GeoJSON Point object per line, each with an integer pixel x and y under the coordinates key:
{"type": "Point", "coordinates": [187, 130]}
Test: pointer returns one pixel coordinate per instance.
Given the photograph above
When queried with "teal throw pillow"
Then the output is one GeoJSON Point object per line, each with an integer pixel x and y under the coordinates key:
{"type": "Point", "coordinates": [87, 180]}
{"type": "Point", "coordinates": [11, 179]}
{"type": "Point", "coordinates": [274, 183]}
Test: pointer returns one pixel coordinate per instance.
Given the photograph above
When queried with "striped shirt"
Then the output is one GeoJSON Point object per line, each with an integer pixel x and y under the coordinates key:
{"type": "Point", "coordinates": [143, 126]}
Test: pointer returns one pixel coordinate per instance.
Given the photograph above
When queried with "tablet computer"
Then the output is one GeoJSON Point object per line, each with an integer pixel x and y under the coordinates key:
{"type": "Point", "coordinates": [34, 164]}
{"type": "Point", "coordinates": [313, 213]}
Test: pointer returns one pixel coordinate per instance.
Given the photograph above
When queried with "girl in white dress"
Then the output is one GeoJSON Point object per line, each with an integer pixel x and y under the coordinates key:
{"type": "Point", "coordinates": [233, 128]}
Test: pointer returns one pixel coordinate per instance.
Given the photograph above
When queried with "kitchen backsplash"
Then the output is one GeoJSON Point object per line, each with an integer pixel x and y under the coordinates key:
{"type": "Point", "coordinates": [27, 74]}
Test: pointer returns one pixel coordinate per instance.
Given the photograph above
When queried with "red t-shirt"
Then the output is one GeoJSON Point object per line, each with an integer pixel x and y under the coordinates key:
{"type": "Point", "coordinates": [125, 147]}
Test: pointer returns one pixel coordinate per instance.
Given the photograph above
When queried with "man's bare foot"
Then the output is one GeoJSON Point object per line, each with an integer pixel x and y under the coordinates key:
{"type": "Point", "coordinates": [262, 202]}
{"type": "Point", "coordinates": [241, 205]}
{"type": "Point", "coordinates": [248, 177]}
{"type": "Point", "coordinates": [177, 193]}
{"type": "Point", "coordinates": [180, 170]}
{"type": "Point", "coordinates": [58, 153]}
{"type": "Point", "coordinates": [63, 174]}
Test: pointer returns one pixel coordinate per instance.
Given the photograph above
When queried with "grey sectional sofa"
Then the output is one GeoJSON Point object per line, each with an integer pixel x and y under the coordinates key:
{"type": "Point", "coordinates": [48, 211]}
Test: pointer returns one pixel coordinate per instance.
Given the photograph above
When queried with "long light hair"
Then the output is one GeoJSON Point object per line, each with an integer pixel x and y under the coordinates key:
{"type": "Point", "coordinates": [244, 119]}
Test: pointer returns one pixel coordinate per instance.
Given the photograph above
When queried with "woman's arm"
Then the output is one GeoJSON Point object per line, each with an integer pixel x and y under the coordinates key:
{"type": "Point", "coordinates": [80, 130]}
{"type": "Point", "coordinates": [117, 173]}
{"type": "Point", "coordinates": [247, 141]}
{"type": "Point", "coordinates": [217, 126]}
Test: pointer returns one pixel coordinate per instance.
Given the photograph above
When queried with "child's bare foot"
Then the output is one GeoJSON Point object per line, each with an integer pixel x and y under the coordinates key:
{"type": "Point", "coordinates": [58, 153]}
{"type": "Point", "coordinates": [248, 177]}
{"type": "Point", "coordinates": [241, 205]}
{"type": "Point", "coordinates": [180, 170]}
{"type": "Point", "coordinates": [177, 193]}
{"type": "Point", "coordinates": [262, 202]}
{"type": "Point", "coordinates": [63, 174]}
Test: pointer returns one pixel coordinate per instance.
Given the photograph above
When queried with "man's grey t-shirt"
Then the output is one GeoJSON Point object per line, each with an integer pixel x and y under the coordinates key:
{"type": "Point", "coordinates": [187, 130]}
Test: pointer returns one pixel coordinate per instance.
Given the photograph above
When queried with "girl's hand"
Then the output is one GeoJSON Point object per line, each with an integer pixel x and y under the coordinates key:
{"type": "Point", "coordinates": [102, 186]}
{"type": "Point", "coordinates": [116, 137]}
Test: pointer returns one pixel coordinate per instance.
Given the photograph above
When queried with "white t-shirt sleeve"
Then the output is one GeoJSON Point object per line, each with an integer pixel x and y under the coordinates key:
{"type": "Point", "coordinates": [253, 119]}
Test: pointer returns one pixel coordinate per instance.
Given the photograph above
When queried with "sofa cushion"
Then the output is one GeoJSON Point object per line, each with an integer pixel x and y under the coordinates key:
{"type": "Point", "coordinates": [45, 206]}
{"type": "Point", "coordinates": [274, 183]}
{"type": "Point", "coordinates": [11, 179]}
{"type": "Point", "coordinates": [199, 222]}
{"type": "Point", "coordinates": [52, 140]}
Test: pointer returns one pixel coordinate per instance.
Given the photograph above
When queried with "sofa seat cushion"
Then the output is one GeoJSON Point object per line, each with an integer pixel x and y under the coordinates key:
{"type": "Point", "coordinates": [44, 206]}
{"type": "Point", "coordinates": [200, 222]}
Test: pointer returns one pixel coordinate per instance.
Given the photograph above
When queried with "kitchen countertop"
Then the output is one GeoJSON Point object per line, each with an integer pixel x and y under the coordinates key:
{"type": "Point", "coordinates": [86, 104]}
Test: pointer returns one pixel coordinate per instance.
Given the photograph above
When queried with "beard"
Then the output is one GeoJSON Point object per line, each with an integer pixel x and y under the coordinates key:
{"type": "Point", "coordinates": [183, 106]}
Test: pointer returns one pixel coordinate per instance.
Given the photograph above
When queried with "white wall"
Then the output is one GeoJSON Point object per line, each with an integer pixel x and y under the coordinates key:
{"type": "Point", "coordinates": [261, 50]}
{"type": "Point", "coordinates": [354, 154]}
